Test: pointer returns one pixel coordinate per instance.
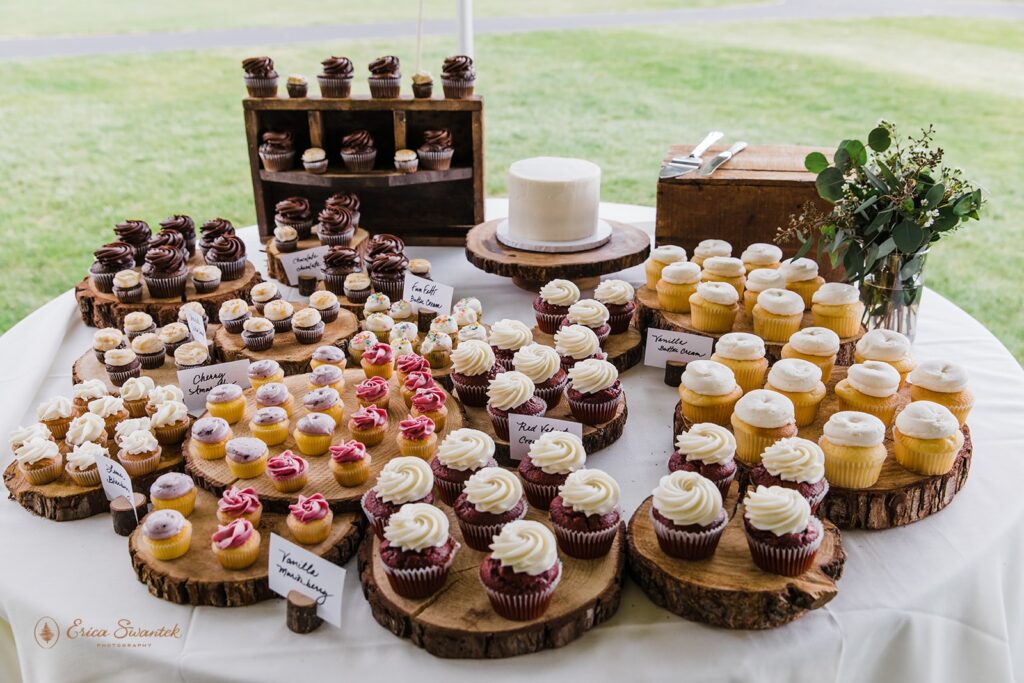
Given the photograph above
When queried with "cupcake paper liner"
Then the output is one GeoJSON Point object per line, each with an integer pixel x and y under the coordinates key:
{"type": "Point", "coordinates": [448, 490]}
{"type": "Point", "coordinates": [209, 451]}
{"type": "Point", "coordinates": [310, 533]}
{"type": "Point", "coordinates": [89, 477]}
{"type": "Point", "coordinates": [376, 523]}
{"type": "Point", "coordinates": [457, 88]}
{"type": "Point", "coordinates": [241, 557]}
{"type": "Point", "coordinates": [119, 377]}
{"type": "Point", "coordinates": [261, 86]}
{"type": "Point", "coordinates": [932, 461]}
{"type": "Point", "coordinates": [351, 474]}
{"type": "Point", "coordinates": [385, 87]}
{"type": "Point", "coordinates": [409, 166]}
{"type": "Point", "coordinates": [316, 167]}
{"type": "Point", "coordinates": [235, 326]}
{"type": "Point", "coordinates": [172, 434]}
{"type": "Point", "coordinates": [593, 413]}
{"type": "Point", "coordinates": [283, 325]}
{"type": "Point", "coordinates": [369, 437]}
{"type": "Point", "coordinates": [152, 361]}
{"type": "Point", "coordinates": [340, 239]}
{"type": "Point", "coordinates": [421, 582]}
{"type": "Point", "coordinates": [851, 473]}
{"type": "Point", "coordinates": [335, 284]}
{"type": "Point", "coordinates": [749, 375]}
{"type": "Point", "coordinates": [673, 298]}
{"type": "Point", "coordinates": [248, 470]}
{"type": "Point", "coordinates": [103, 282]}
{"type": "Point", "coordinates": [585, 545]}
{"type": "Point", "coordinates": [548, 322]}
{"type": "Point", "coordinates": [539, 495]}
{"type": "Point", "coordinates": [260, 343]}
{"type": "Point", "coordinates": [312, 444]}
{"type": "Point", "coordinates": [138, 333]}
{"type": "Point", "coordinates": [290, 484]}
{"type": "Point", "coordinates": [480, 536]}
{"type": "Point", "coordinates": [136, 408]}
{"type": "Point", "coordinates": [776, 328]}
{"type": "Point", "coordinates": [471, 395]}
{"type": "Point", "coordinates": [184, 504]}
{"type": "Point", "coordinates": [38, 476]}
{"type": "Point", "coordinates": [845, 326]}
{"type": "Point", "coordinates": [359, 162]}
{"type": "Point", "coordinates": [688, 545]}
{"type": "Point", "coordinates": [526, 606]}
{"type": "Point", "coordinates": [423, 450]}
{"type": "Point", "coordinates": [174, 547]}
{"type": "Point", "coordinates": [309, 335]}
{"type": "Point", "coordinates": [59, 427]}
{"type": "Point", "coordinates": [786, 561]}
{"type": "Point", "coordinates": [329, 315]}
{"type": "Point", "coordinates": [436, 160]}
{"type": "Point", "coordinates": [500, 423]}
{"type": "Point", "coordinates": [278, 161]}
{"type": "Point", "coordinates": [392, 288]}
{"type": "Point", "coordinates": [230, 270]}
{"type": "Point", "coordinates": [206, 286]}
{"type": "Point", "coordinates": [619, 323]}
{"type": "Point", "coordinates": [166, 287]}
{"type": "Point", "coordinates": [333, 87]}
{"type": "Point", "coordinates": [132, 295]}
{"type": "Point", "coordinates": [551, 396]}
{"type": "Point", "coordinates": [137, 468]}
{"type": "Point", "coordinates": [713, 318]}
{"type": "Point", "coordinates": [303, 227]}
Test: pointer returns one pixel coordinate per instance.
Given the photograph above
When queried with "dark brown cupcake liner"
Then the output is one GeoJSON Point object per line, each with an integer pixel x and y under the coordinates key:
{"type": "Point", "coordinates": [619, 323]}
{"type": "Point", "coordinates": [286, 247]}
{"type": "Point", "coordinates": [551, 396]}
{"type": "Point", "coordinates": [524, 606]}
{"type": "Point", "coordinates": [139, 333]}
{"type": "Point", "coordinates": [470, 394]}
{"type": "Point", "coordinates": [278, 161]}
{"type": "Point", "coordinates": [170, 348]}
{"type": "Point", "coordinates": [103, 282]}
{"type": "Point", "coordinates": [206, 286]}
{"type": "Point", "coordinates": [329, 315]}
{"type": "Point", "coordinates": [304, 228]}
{"type": "Point", "coordinates": [283, 325]}
{"type": "Point", "coordinates": [422, 91]}
{"type": "Point", "coordinates": [480, 536]}
{"type": "Point", "coordinates": [458, 88]}
{"type": "Point", "coordinates": [385, 87]}
{"type": "Point", "coordinates": [152, 361]}
{"type": "Point", "coordinates": [334, 87]}
{"type": "Point", "coordinates": [297, 90]}
{"type": "Point", "coordinates": [436, 160]}
{"type": "Point", "coordinates": [585, 545]}
{"type": "Point", "coordinates": [422, 582]}
{"type": "Point", "coordinates": [341, 239]}
{"type": "Point", "coordinates": [688, 545]}
{"type": "Point", "coordinates": [132, 295]}
{"type": "Point", "coordinates": [593, 413]}
{"type": "Point", "coordinates": [261, 86]}
{"type": "Point", "coordinates": [309, 335]}
{"type": "Point", "coordinates": [539, 495]}
{"type": "Point", "coordinates": [260, 305]}
{"type": "Point", "coordinates": [260, 343]}
{"type": "Point", "coordinates": [183, 366]}
{"type": "Point", "coordinates": [356, 296]}
{"type": "Point", "coordinates": [140, 253]}
{"type": "Point", "coordinates": [359, 162]}
{"type": "Point", "coordinates": [166, 287]}
{"type": "Point", "coordinates": [786, 561]}
{"type": "Point", "coordinates": [119, 377]}
{"type": "Point", "coordinates": [549, 322]}
{"type": "Point", "coordinates": [392, 288]}
{"type": "Point", "coordinates": [229, 270]}
{"type": "Point", "coordinates": [335, 284]}
{"type": "Point", "coordinates": [236, 325]}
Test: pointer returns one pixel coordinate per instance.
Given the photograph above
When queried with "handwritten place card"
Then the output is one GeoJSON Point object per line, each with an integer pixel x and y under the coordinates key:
{"type": "Point", "coordinates": [523, 430]}
{"type": "Point", "coordinates": [666, 345]}
{"type": "Point", "coordinates": [293, 568]}
{"type": "Point", "coordinates": [196, 383]}
{"type": "Point", "coordinates": [306, 262]}
{"type": "Point", "coordinates": [197, 328]}
{"type": "Point", "coordinates": [424, 293]}
{"type": "Point", "coordinates": [115, 480]}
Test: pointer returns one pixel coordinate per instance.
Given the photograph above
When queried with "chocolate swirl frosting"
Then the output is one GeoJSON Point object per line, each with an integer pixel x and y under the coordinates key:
{"type": "Point", "coordinates": [335, 221]}
{"type": "Point", "coordinates": [293, 209]}
{"type": "Point", "coordinates": [389, 266]}
{"type": "Point", "coordinates": [183, 224]}
{"type": "Point", "coordinates": [460, 67]}
{"type": "Point", "coordinates": [436, 140]}
{"type": "Point", "coordinates": [339, 67]}
{"type": "Point", "coordinates": [388, 65]}
{"type": "Point", "coordinates": [227, 249]}
{"type": "Point", "coordinates": [277, 142]}
{"type": "Point", "coordinates": [115, 256]}
{"type": "Point", "coordinates": [259, 67]}
{"type": "Point", "coordinates": [343, 259]}
{"type": "Point", "coordinates": [384, 243]}
{"type": "Point", "coordinates": [359, 141]}
{"type": "Point", "coordinates": [164, 260]}
{"type": "Point", "coordinates": [168, 238]}
{"type": "Point", "coordinates": [133, 231]}
{"type": "Point", "coordinates": [344, 200]}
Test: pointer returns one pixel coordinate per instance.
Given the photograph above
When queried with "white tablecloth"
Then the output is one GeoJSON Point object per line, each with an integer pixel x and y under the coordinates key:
{"type": "Point", "coordinates": [938, 600]}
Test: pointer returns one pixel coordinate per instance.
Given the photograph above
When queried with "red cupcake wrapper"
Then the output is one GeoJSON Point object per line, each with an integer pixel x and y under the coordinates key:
{"type": "Point", "coordinates": [523, 607]}
{"type": "Point", "coordinates": [551, 396]}
{"type": "Point", "coordinates": [688, 545]}
{"type": "Point", "coordinates": [448, 490]}
{"type": "Point", "coordinates": [500, 424]}
{"type": "Point", "coordinates": [480, 536]}
{"type": "Point", "coordinates": [593, 413]}
{"type": "Point", "coordinates": [166, 287]}
{"type": "Point", "coordinates": [586, 545]}
{"type": "Point", "coordinates": [423, 582]}
{"type": "Point", "coordinates": [471, 395]}
{"type": "Point", "coordinates": [539, 495]}
{"type": "Point", "coordinates": [376, 523]}
{"type": "Point", "coordinates": [786, 561]}
{"type": "Point", "coordinates": [549, 322]}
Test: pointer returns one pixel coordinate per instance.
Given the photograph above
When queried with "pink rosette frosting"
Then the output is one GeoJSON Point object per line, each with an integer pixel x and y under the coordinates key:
{"type": "Point", "coordinates": [310, 508]}
{"type": "Point", "coordinates": [233, 534]}
{"type": "Point", "coordinates": [378, 354]}
{"type": "Point", "coordinates": [286, 465]}
{"type": "Point", "coordinates": [350, 451]}
{"type": "Point", "coordinates": [411, 362]}
{"type": "Point", "coordinates": [372, 388]}
{"type": "Point", "coordinates": [421, 379]}
{"type": "Point", "coordinates": [429, 400]}
{"type": "Point", "coordinates": [369, 417]}
{"type": "Point", "coordinates": [416, 428]}
{"type": "Point", "coordinates": [237, 502]}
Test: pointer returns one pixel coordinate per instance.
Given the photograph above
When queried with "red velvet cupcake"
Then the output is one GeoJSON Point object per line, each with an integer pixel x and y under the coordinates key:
{"type": "Point", "coordinates": [782, 534]}
{"type": "Point", "coordinates": [618, 297]}
{"type": "Point", "coordinates": [402, 480]}
{"type": "Point", "coordinates": [507, 337]}
{"type": "Point", "coordinates": [473, 368]}
{"type": "Point", "coordinates": [550, 460]}
{"type": "Point", "coordinates": [490, 499]}
{"type": "Point", "coordinates": [592, 314]}
{"type": "Point", "coordinates": [688, 516]}
{"type": "Point", "coordinates": [553, 302]}
{"type": "Point", "coordinates": [793, 463]}
{"type": "Point", "coordinates": [709, 450]}
{"type": "Point", "coordinates": [575, 343]}
{"type": "Point", "coordinates": [522, 571]}
{"type": "Point", "coordinates": [543, 366]}
{"type": "Point", "coordinates": [594, 391]}
{"type": "Point", "coordinates": [585, 514]}
{"type": "Point", "coordinates": [460, 455]}
{"type": "Point", "coordinates": [511, 393]}
{"type": "Point", "coordinates": [417, 551]}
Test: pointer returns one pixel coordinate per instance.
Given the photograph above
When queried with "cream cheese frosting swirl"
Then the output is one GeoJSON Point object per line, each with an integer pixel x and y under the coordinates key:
{"type": "Point", "coordinates": [708, 378]}
{"type": "Point", "coordinates": [761, 279]}
{"type": "Point", "coordinates": [882, 344]}
{"type": "Point", "coordinates": [494, 490]}
{"type": "Point", "coordinates": [86, 427]}
{"type": "Point", "coordinates": [139, 442]}
{"type": "Point", "coordinates": [851, 428]}
{"type": "Point", "coordinates": [404, 479]}
{"type": "Point", "coordinates": [34, 450]}
{"type": "Point", "coordinates": [83, 456]}
{"type": "Point", "coordinates": [378, 322]}
{"type": "Point", "coordinates": [589, 312]}
{"type": "Point", "coordinates": [105, 406]}
{"type": "Point", "coordinates": [776, 509]}
{"type": "Point", "coordinates": [107, 338]}
{"type": "Point", "coordinates": [36, 430]}
{"type": "Point", "coordinates": [148, 343]}
{"type": "Point", "coordinates": [681, 273]}
{"type": "Point", "coordinates": [799, 270]}
{"type": "Point", "coordinates": [576, 341]}
{"type": "Point", "coordinates": [668, 253]}
{"type": "Point", "coordinates": [466, 449]}
{"type": "Point", "coordinates": [193, 353]}
{"type": "Point", "coordinates": [536, 361]}
{"type": "Point", "coordinates": [558, 453]}
{"type": "Point", "coordinates": [509, 389]}
{"type": "Point", "coordinates": [687, 498]}
{"type": "Point", "coordinates": [780, 302]}
{"type": "Point", "coordinates": [615, 292]}
{"type": "Point", "coordinates": [795, 459]}
{"type": "Point", "coordinates": [874, 378]}
{"type": "Point", "coordinates": [510, 335]}
{"type": "Point", "coordinates": [592, 375]}
{"type": "Point", "coordinates": [760, 254]}
{"type": "Point", "coordinates": [740, 346]}
{"type": "Point", "coordinates": [836, 293]}
{"type": "Point", "coordinates": [94, 388]}
{"type": "Point", "coordinates": [721, 293]}
{"type": "Point", "coordinates": [927, 420]}
{"type": "Point", "coordinates": [765, 409]}
{"type": "Point", "coordinates": [527, 547]}
{"type": "Point", "coordinates": [708, 443]}
{"type": "Point", "coordinates": [724, 266]}
{"type": "Point", "coordinates": [473, 357]}
{"type": "Point", "coordinates": [939, 376]}
{"type": "Point", "coordinates": [172, 333]}
{"type": "Point", "coordinates": [708, 248]}
{"type": "Point", "coordinates": [306, 318]}
{"type": "Point", "coordinates": [55, 408]}
{"type": "Point", "coordinates": [164, 393]}
{"type": "Point", "coordinates": [591, 492]}
{"type": "Point", "coordinates": [794, 374]}
{"type": "Point", "coordinates": [137, 388]}
{"type": "Point", "coordinates": [815, 341]}
{"type": "Point", "coordinates": [119, 357]}
{"type": "Point", "coordinates": [169, 413]}
{"type": "Point", "coordinates": [560, 293]}
{"type": "Point", "coordinates": [137, 321]}
{"type": "Point", "coordinates": [416, 527]}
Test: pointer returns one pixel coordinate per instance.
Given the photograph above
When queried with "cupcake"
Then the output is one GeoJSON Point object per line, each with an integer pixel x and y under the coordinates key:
{"type": "Point", "coordinates": [758, 281]}
{"type": "Point", "coordinates": [576, 343]}
{"type": "Point", "coordinates": [339, 263]}
{"type": "Point", "coordinates": [744, 354]}
{"type": "Point", "coordinates": [552, 304]}
{"type": "Point", "coordinates": [378, 361]}
{"type": "Point", "coordinates": [149, 350]}
{"type": "Point", "coordinates": [761, 256]}
{"type": "Point", "coordinates": [710, 451]}
{"type": "Point", "coordinates": [91, 389]}
{"type": "Point", "coordinates": [464, 316]}
{"type": "Point", "coordinates": [404, 331]}
{"type": "Point", "coordinates": [585, 514]}
{"type": "Point", "coordinates": [139, 453]}
{"type": "Point", "coordinates": [408, 364]}
{"type": "Point", "coordinates": [406, 161]}
{"type": "Point", "coordinates": [507, 337]}
{"type": "Point", "coordinates": [328, 355]}
{"type": "Point", "coordinates": [491, 498]}
{"type": "Point", "coordinates": [511, 393]}
{"type": "Point", "coordinates": [167, 534]}
{"type": "Point", "coordinates": [287, 472]}
{"type": "Point", "coordinates": [437, 151]}
{"type": "Point", "coordinates": [335, 78]}
{"type": "Point", "coordinates": [121, 365]}
{"type": "Point", "coordinates": [161, 394]}
{"type": "Point", "coordinates": [385, 77]}
{"type": "Point", "coordinates": [263, 293]}
{"type": "Point", "coordinates": [782, 534]}
{"type": "Point", "coordinates": [275, 394]}
{"type": "Point", "coordinates": [436, 347]}
{"type": "Point", "coordinates": [777, 314]}
{"type": "Point", "coordinates": [280, 314]}
{"type": "Point", "coordinates": [708, 392]}
{"type": "Point", "coordinates": [297, 86]}
{"type": "Point", "coordinates": [837, 306]}
{"type": "Point", "coordinates": [56, 413]}
{"type": "Point", "coordinates": [111, 409]}
{"type": "Point", "coordinates": [81, 463]}
{"type": "Point", "coordinates": [802, 277]}
{"type": "Point", "coordinates": [170, 422]}
{"type": "Point", "coordinates": [927, 438]}
{"type": "Point", "coordinates": [816, 345]}
{"type": "Point", "coordinates": [617, 296]}
{"type": "Point", "coordinates": [725, 269]}
{"type": "Point", "coordinates": [110, 259]}
{"type": "Point", "coordinates": [277, 150]}
{"type": "Point", "coordinates": [211, 231]}
{"type": "Point", "coordinates": [706, 249]}
{"type": "Point", "coordinates": [133, 424]}
{"type": "Point", "coordinates": [387, 274]}
{"type": "Point", "coordinates": [210, 437]}
{"type": "Point", "coordinates": [127, 286]}
{"type": "Point", "coordinates": [246, 457]}
{"type": "Point", "coordinates": [800, 382]}
{"type": "Point", "coordinates": [173, 491]}
{"type": "Point", "coordinates": [854, 449]}
{"type": "Point", "coordinates": [793, 463]}
{"type": "Point", "coordinates": [759, 419]}
{"type": "Point", "coordinates": [402, 480]}
{"type": "Point", "coordinates": [270, 425]}
{"type": "Point", "coordinates": [326, 304]}
{"type": "Point", "coordinates": [522, 570]}
{"type": "Point", "coordinates": [422, 85]}
{"type": "Point", "coordinates": [233, 314]}
{"type": "Point", "coordinates": [413, 383]}
{"type": "Point", "coordinates": [542, 365]}
{"type": "Point", "coordinates": [402, 347]}
{"type": "Point", "coordinates": [374, 391]}
{"type": "Point", "coordinates": [165, 272]}
{"type": "Point", "coordinates": [473, 368]}
{"type": "Point", "coordinates": [594, 391]}
{"type": "Point", "coordinates": [462, 453]}
{"type": "Point", "coordinates": [368, 425]}
{"type": "Point", "coordinates": [39, 461]}
{"type": "Point", "coordinates": [138, 322]}
{"type": "Point", "coordinates": [227, 402]}
{"type": "Point", "coordinates": [136, 234]}
{"type": "Point", "coordinates": [444, 324]}
{"type": "Point", "coordinates": [308, 326]}
{"type": "Point", "coordinates": [889, 347]}
{"type": "Point", "coordinates": [106, 339]}
{"type": "Point", "coordinates": [420, 267]}
{"type": "Point", "coordinates": [941, 382]}
{"type": "Point", "coordinates": [260, 77]}
{"type": "Point", "coordinates": [677, 283]}
{"type": "Point", "coordinates": [713, 307]}
{"type": "Point", "coordinates": [169, 238]}
{"type": "Point", "coordinates": [173, 335]}
{"type": "Point", "coordinates": [239, 503]}
{"type": "Point", "coordinates": [401, 311]}
{"type": "Point", "coordinates": [309, 519]}
{"type": "Point", "coordinates": [327, 401]}
{"type": "Point", "coordinates": [206, 279]}
{"type": "Point", "coordinates": [549, 460]}
{"type": "Point", "coordinates": [416, 437]}
{"type": "Point", "coordinates": [659, 258]}
{"type": "Point", "coordinates": [314, 160]}
{"type": "Point", "coordinates": [258, 334]}
{"type": "Point", "coordinates": [475, 331]}
{"type": "Point", "coordinates": [417, 551]}
{"type": "Point", "coordinates": [458, 77]}
{"type": "Point", "coordinates": [431, 403]}
{"type": "Point", "coordinates": [327, 376]}
{"type": "Point", "coordinates": [335, 227]}
{"type": "Point", "coordinates": [192, 355]}
{"type": "Point", "coordinates": [350, 463]}
{"type": "Point", "coordinates": [264, 372]}
{"type": "Point", "coordinates": [358, 152]}
{"type": "Point", "coordinates": [378, 302]}
{"type": "Point", "coordinates": [86, 428]}
{"type": "Point", "coordinates": [236, 545]}
{"type": "Point", "coordinates": [589, 313]}
{"type": "Point", "coordinates": [21, 435]}
{"type": "Point", "coordinates": [870, 387]}
{"type": "Point", "coordinates": [687, 515]}
{"type": "Point", "coordinates": [313, 433]}
{"type": "Point", "coordinates": [228, 255]}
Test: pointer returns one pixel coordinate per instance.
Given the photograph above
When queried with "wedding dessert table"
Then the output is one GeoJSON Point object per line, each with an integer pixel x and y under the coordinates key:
{"type": "Point", "coordinates": [937, 600]}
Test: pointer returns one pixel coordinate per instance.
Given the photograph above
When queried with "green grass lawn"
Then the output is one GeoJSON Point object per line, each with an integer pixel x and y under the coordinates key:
{"type": "Point", "coordinates": [94, 140]}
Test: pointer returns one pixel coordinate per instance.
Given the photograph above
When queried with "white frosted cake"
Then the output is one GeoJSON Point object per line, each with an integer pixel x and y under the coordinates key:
{"type": "Point", "coordinates": [553, 199]}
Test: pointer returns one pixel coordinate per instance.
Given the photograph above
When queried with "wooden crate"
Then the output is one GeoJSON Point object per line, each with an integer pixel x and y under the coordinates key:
{"type": "Point", "coordinates": [424, 208]}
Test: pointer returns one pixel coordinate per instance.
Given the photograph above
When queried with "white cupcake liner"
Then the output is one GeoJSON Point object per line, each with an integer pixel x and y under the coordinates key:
{"type": "Point", "coordinates": [526, 606]}
{"type": "Point", "coordinates": [688, 545]}
{"type": "Point", "coordinates": [423, 582]}
{"type": "Point", "coordinates": [786, 561]}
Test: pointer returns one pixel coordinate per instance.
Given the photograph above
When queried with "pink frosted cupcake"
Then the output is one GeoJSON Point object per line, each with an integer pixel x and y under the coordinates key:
{"type": "Point", "coordinates": [374, 391]}
{"type": "Point", "coordinates": [462, 453]}
{"type": "Point", "coordinates": [239, 503]}
{"type": "Point", "coordinates": [287, 472]}
{"type": "Point", "coordinates": [409, 363]}
{"type": "Point", "coordinates": [421, 379]}
{"type": "Point", "coordinates": [688, 516]}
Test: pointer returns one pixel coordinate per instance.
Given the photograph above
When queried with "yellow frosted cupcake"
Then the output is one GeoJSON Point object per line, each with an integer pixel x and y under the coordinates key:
{"type": "Point", "coordinates": [760, 255]}
{"type": "Point", "coordinates": [870, 387]}
{"type": "Point", "coordinates": [759, 419]}
{"type": "Point", "coordinates": [758, 281]}
{"type": "Point", "coordinates": [309, 519]}
{"type": "Point", "coordinates": [264, 372]}
{"type": "Point", "coordinates": [838, 307]}
{"type": "Point", "coordinates": [713, 307]}
{"type": "Point", "coordinates": [209, 437]}
{"type": "Point", "coordinates": [661, 257]}
{"type": "Point", "coordinates": [708, 392]}
{"type": "Point", "coordinates": [743, 353]}
{"type": "Point", "coordinates": [943, 383]}
{"type": "Point", "coordinates": [270, 425]}
{"type": "Point", "coordinates": [173, 491]}
{"type": "Point", "coordinates": [800, 382]}
{"type": "Point", "coordinates": [889, 347]}
{"type": "Point", "coordinates": [678, 282]}
{"type": "Point", "coordinates": [313, 433]}
{"type": "Point", "coordinates": [705, 249]}
{"type": "Point", "coordinates": [816, 345]}
{"type": "Point", "coordinates": [227, 402]}
{"type": "Point", "coordinates": [167, 533]}
{"type": "Point", "coordinates": [246, 457]}
{"type": "Point", "coordinates": [854, 449]}
{"type": "Point", "coordinates": [725, 269]}
{"type": "Point", "coordinates": [927, 438]}
{"type": "Point", "coordinates": [777, 315]}
{"type": "Point", "coordinates": [802, 277]}
{"type": "Point", "coordinates": [236, 545]}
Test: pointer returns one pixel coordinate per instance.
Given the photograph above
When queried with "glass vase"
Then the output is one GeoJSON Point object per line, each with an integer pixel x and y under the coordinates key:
{"type": "Point", "coordinates": [892, 293]}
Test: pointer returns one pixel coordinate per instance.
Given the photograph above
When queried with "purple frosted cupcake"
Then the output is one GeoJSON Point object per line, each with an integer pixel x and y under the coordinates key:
{"type": "Point", "coordinates": [688, 516]}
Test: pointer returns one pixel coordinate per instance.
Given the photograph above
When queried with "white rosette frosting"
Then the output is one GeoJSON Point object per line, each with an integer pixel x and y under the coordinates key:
{"type": "Point", "coordinates": [687, 498]}
{"type": "Point", "coordinates": [560, 293]}
{"type": "Point", "coordinates": [576, 341]}
{"type": "Point", "coordinates": [55, 408]}
{"type": "Point", "coordinates": [795, 459]}
{"type": "Point", "coordinates": [589, 312]}
{"type": "Point", "coordinates": [472, 357]}
{"type": "Point", "coordinates": [708, 443]}
{"type": "Point", "coordinates": [466, 449]}
{"type": "Point", "coordinates": [137, 388]}
{"type": "Point", "coordinates": [164, 393]}
{"type": "Point", "coordinates": [404, 479]}
{"type": "Point", "coordinates": [558, 453]}
{"type": "Point", "coordinates": [105, 406]}
{"type": "Point", "coordinates": [94, 388]}
{"type": "Point", "coordinates": [776, 509]}
{"type": "Point", "coordinates": [34, 450]}
{"type": "Point", "coordinates": [593, 375]}
{"type": "Point", "coordinates": [86, 427]}
{"type": "Point", "coordinates": [83, 456]}
{"type": "Point", "coordinates": [494, 490]}
{"type": "Point", "coordinates": [591, 492]}
{"type": "Point", "coordinates": [510, 335]}
{"type": "Point", "coordinates": [527, 547]}
{"type": "Point", "coordinates": [614, 292]}
{"type": "Point", "coordinates": [536, 361]}
{"type": "Point", "coordinates": [169, 413]}
{"type": "Point", "coordinates": [509, 389]}
{"type": "Point", "coordinates": [139, 442]}
{"type": "Point", "coordinates": [416, 527]}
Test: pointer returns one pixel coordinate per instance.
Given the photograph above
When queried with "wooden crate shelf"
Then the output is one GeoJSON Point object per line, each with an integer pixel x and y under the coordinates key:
{"type": "Point", "coordinates": [338, 178]}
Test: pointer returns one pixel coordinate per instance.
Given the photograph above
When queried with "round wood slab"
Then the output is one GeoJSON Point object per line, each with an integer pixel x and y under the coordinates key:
{"type": "Point", "coordinates": [197, 578]}
{"type": "Point", "coordinates": [624, 350]}
{"type": "Point", "coordinates": [276, 271]}
{"type": "Point", "coordinates": [459, 622]}
{"type": "Point", "coordinates": [293, 356]}
{"type": "Point", "coordinates": [89, 367]}
{"type": "Point", "coordinates": [99, 309]}
{"type": "Point", "coordinates": [63, 500]}
{"type": "Point", "coordinates": [215, 476]}
{"type": "Point", "coordinates": [649, 315]}
{"type": "Point", "coordinates": [898, 498]}
{"type": "Point", "coordinates": [729, 590]}
{"type": "Point", "coordinates": [628, 246]}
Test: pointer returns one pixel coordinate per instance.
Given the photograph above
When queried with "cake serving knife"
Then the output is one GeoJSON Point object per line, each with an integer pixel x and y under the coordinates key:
{"type": "Point", "coordinates": [678, 166]}
{"type": "Point", "coordinates": [721, 158]}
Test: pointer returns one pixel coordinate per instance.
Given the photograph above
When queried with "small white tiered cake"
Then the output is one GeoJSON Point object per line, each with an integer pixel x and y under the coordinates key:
{"type": "Point", "coordinates": [553, 199]}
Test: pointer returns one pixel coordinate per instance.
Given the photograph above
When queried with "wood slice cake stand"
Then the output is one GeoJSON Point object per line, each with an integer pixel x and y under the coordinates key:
{"type": "Point", "coordinates": [100, 309]}
{"type": "Point", "coordinates": [624, 350]}
{"type": "Point", "coordinates": [898, 498]}
{"type": "Point", "coordinates": [197, 578]}
{"type": "Point", "coordinates": [729, 590]}
{"type": "Point", "coordinates": [63, 500]}
{"type": "Point", "coordinates": [628, 246]}
{"type": "Point", "coordinates": [276, 271]}
{"type": "Point", "coordinates": [89, 367]}
{"type": "Point", "coordinates": [459, 622]}
{"type": "Point", "coordinates": [215, 476]}
{"type": "Point", "coordinates": [293, 357]}
{"type": "Point", "coordinates": [649, 315]}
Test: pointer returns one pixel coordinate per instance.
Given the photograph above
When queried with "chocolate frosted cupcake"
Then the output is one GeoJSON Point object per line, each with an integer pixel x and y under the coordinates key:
{"type": "Point", "coordinates": [385, 77]}
{"type": "Point", "coordinates": [110, 259]}
{"type": "Point", "coordinates": [336, 227]}
{"type": "Point", "coordinates": [436, 151]}
{"type": "Point", "coordinates": [345, 200]}
{"type": "Point", "coordinates": [358, 151]}
{"type": "Point", "coordinates": [336, 78]}
{"type": "Point", "coordinates": [186, 226]}
{"type": "Point", "coordinates": [228, 254]}
{"type": "Point", "coordinates": [165, 272]}
{"type": "Point", "coordinates": [260, 77]}
{"type": "Point", "coordinates": [128, 286]}
{"type": "Point", "coordinates": [387, 273]}
{"type": "Point", "coordinates": [277, 151]}
{"type": "Point", "coordinates": [295, 213]}
{"type": "Point", "coordinates": [135, 233]}
{"type": "Point", "coordinates": [213, 229]}
{"type": "Point", "coordinates": [384, 243]}
{"type": "Point", "coordinates": [458, 77]}
{"type": "Point", "coordinates": [338, 263]}
{"type": "Point", "coordinates": [169, 238]}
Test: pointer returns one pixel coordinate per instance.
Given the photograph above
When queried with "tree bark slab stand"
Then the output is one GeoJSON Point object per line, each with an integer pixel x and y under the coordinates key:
{"type": "Point", "coordinates": [294, 357]}
{"type": "Point", "coordinates": [729, 590]}
{"type": "Point", "coordinates": [277, 272]}
{"type": "Point", "coordinates": [99, 309]}
{"type": "Point", "coordinates": [300, 613]}
{"type": "Point", "coordinates": [215, 476]}
{"type": "Point", "coordinates": [197, 578]}
{"type": "Point", "coordinates": [459, 622]}
{"type": "Point", "coordinates": [624, 350]}
{"type": "Point", "coordinates": [89, 367]}
{"type": "Point", "coordinates": [648, 314]}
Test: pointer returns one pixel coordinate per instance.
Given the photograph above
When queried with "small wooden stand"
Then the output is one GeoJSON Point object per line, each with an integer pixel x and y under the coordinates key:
{"type": "Point", "coordinates": [126, 514]}
{"type": "Point", "coordinates": [649, 315]}
{"type": "Point", "coordinates": [276, 271]}
{"type": "Point", "coordinates": [729, 590]}
{"type": "Point", "coordinates": [629, 246]}
{"type": "Point", "coordinates": [197, 578]}
{"type": "Point", "coordinates": [89, 367]}
{"type": "Point", "coordinates": [215, 476]}
{"type": "Point", "coordinates": [300, 615]}
{"type": "Point", "coordinates": [459, 622]}
{"type": "Point", "coordinates": [624, 350]}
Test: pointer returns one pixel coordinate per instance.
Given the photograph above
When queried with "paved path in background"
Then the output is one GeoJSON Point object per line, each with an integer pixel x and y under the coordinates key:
{"type": "Point", "coordinates": [136, 43]}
